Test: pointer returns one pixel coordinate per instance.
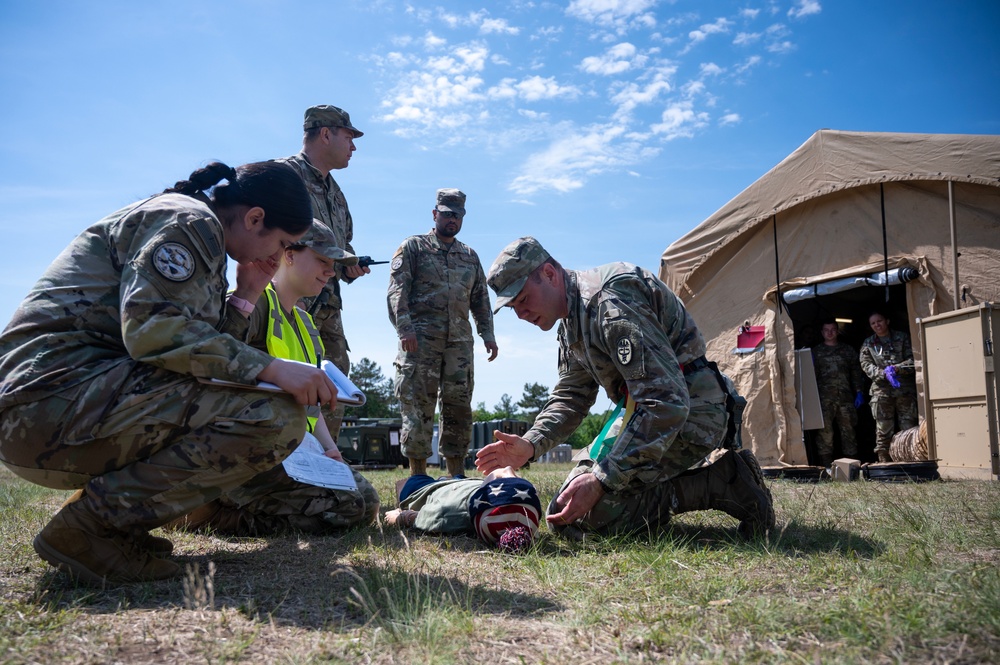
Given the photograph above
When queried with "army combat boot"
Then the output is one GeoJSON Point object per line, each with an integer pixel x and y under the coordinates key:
{"type": "Point", "coordinates": [76, 542]}
{"type": "Point", "coordinates": [153, 544]}
{"type": "Point", "coordinates": [418, 467]}
{"type": "Point", "coordinates": [733, 484]}
{"type": "Point", "coordinates": [455, 465]}
{"type": "Point", "coordinates": [217, 517]}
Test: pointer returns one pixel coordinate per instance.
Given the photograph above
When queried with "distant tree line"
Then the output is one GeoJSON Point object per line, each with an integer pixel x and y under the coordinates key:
{"type": "Point", "coordinates": [380, 403]}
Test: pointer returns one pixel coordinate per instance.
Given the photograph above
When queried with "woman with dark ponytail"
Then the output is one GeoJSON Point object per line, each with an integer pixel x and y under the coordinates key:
{"type": "Point", "coordinates": [103, 369]}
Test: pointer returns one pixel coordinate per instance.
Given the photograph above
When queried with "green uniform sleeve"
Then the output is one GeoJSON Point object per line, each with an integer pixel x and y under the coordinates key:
{"type": "Point", "coordinates": [169, 308]}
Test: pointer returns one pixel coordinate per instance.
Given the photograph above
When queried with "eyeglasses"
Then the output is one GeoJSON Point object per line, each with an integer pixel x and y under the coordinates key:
{"type": "Point", "coordinates": [448, 214]}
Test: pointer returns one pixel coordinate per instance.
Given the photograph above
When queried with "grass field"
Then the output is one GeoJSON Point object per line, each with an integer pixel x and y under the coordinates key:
{"type": "Point", "coordinates": [857, 572]}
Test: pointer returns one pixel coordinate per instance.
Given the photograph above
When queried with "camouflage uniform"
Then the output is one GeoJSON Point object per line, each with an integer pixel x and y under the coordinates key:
{"type": "Point", "coordinates": [838, 376]}
{"type": "Point", "coordinates": [272, 501]}
{"type": "Point", "coordinates": [627, 332]}
{"type": "Point", "coordinates": [432, 288]}
{"type": "Point", "coordinates": [888, 403]}
{"type": "Point", "coordinates": [100, 363]}
{"type": "Point", "coordinates": [330, 206]}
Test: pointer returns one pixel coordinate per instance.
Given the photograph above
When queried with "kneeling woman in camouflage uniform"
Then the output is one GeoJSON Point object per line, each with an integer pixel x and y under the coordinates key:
{"type": "Point", "coordinates": [100, 369]}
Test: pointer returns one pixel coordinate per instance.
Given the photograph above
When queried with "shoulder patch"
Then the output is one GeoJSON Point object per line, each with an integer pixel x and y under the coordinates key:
{"type": "Point", "coordinates": [625, 341]}
{"type": "Point", "coordinates": [397, 262]}
{"type": "Point", "coordinates": [174, 261]}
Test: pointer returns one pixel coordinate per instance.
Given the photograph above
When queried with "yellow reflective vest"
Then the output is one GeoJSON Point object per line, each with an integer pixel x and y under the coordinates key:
{"type": "Point", "coordinates": [292, 340]}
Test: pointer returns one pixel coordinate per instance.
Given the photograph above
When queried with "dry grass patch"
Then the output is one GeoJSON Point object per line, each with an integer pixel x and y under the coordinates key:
{"type": "Point", "coordinates": [858, 572]}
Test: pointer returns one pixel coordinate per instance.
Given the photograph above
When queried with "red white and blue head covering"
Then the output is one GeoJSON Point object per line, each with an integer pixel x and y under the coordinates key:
{"type": "Point", "coordinates": [504, 504]}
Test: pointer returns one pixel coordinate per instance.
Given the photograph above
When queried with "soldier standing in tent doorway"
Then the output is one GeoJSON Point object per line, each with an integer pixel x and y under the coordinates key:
{"type": "Point", "coordinates": [434, 282]}
{"type": "Point", "coordinates": [887, 359]}
{"type": "Point", "coordinates": [622, 329]}
{"type": "Point", "coordinates": [839, 378]}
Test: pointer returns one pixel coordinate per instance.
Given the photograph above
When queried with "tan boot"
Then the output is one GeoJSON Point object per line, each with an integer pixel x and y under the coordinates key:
{"type": "Point", "coordinates": [884, 456]}
{"type": "Point", "coordinates": [75, 542]}
{"type": "Point", "coordinates": [153, 544]}
{"type": "Point", "coordinates": [213, 516]}
{"type": "Point", "coordinates": [733, 484]}
{"type": "Point", "coordinates": [455, 465]}
{"type": "Point", "coordinates": [418, 467]}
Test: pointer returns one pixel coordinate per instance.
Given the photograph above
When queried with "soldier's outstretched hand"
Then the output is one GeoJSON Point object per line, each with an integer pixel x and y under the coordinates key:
{"type": "Point", "coordinates": [508, 450]}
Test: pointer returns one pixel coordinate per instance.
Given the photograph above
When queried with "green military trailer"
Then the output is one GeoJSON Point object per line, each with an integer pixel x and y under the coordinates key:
{"type": "Point", "coordinates": [373, 443]}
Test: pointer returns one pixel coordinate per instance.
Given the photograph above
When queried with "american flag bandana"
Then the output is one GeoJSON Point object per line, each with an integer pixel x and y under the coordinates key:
{"type": "Point", "coordinates": [504, 503]}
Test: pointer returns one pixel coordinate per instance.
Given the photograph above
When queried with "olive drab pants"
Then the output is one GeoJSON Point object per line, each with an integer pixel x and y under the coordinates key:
{"type": "Point", "coordinates": [150, 445]}
{"type": "Point", "coordinates": [436, 366]}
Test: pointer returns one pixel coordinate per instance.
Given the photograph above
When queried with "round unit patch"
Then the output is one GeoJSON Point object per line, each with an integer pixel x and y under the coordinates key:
{"type": "Point", "coordinates": [397, 263]}
{"type": "Point", "coordinates": [624, 349]}
{"type": "Point", "coordinates": [173, 261]}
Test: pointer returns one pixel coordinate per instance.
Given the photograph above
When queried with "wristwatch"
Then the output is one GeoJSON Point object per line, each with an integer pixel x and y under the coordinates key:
{"type": "Point", "coordinates": [241, 304]}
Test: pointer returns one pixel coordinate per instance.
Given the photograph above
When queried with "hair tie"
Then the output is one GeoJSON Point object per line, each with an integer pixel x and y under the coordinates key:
{"type": "Point", "coordinates": [230, 174]}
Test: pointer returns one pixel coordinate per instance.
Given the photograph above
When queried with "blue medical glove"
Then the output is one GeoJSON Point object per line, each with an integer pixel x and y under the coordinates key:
{"type": "Point", "coordinates": [859, 399]}
{"type": "Point", "coordinates": [890, 374]}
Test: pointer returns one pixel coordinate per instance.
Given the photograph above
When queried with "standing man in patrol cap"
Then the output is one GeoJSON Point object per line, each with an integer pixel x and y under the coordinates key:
{"type": "Point", "coordinates": [327, 145]}
{"type": "Point", "coordinates": [622, 329]}
{"type": "Point", "coordinates": [435, 281]}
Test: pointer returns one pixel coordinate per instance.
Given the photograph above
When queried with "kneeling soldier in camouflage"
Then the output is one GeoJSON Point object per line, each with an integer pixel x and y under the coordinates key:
{"type": "Point", "coordinates": [100, 369]}
{"type": "Point", "coordinates": [622, 329]}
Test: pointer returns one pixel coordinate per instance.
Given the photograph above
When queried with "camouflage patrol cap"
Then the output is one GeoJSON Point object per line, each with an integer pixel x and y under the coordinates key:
{"type": "Point", "coordinates": [325, 115]}
{"type": "Point", "coordinates": [320, 239]}
{"type": "Point", "coordinates": [451, 199]}
{"type": "Point", "coordinates": [511, 269]}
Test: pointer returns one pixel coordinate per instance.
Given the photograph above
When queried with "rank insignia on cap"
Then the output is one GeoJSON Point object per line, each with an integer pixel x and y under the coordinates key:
{"type": "Point", "coordinates": [173, 261]}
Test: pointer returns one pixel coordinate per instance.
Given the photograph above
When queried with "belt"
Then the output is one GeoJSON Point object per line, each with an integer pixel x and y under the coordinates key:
{"type": "Point", "coordinates": [695, 365]}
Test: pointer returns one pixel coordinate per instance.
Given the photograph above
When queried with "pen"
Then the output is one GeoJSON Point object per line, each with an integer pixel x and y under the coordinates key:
{"type": "Point", "coordinates": [319, 366]}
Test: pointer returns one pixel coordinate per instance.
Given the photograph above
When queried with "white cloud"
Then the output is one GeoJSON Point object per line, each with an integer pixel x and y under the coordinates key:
{"type": "Point", "coordinates": [617, 59]}
{"type": "Point", "coordinates": [497, 25]}
{"type": "Point", "coordinates": [781, 47]}
{"type": "Point", "coordinates": [749, 13]}
{"type": "Point", "coordinates": [631, 95]}
{"type": "Point", "coordinates": [618, 15]}
{"type": "Point", "coordinates": [569, 162]}
{"type": "Point", "coordinates": [532, 89]}
{"type": "Point", "coordinates": [680, 119]}
{"type": "Point", "coordinates": [805, 8]}
{"type": "Point", "coordinates": [427, 98]}
{"type": "Point", "coordinates": [710, 69]}
{"type": "Point", "coordinates": [548, 32]}
{"type": "Point", "coordinates": [730, 119]}
{"type": "Point", "coordinates": [432, 41]}
{"type": "Point", "coordinates": [721, 25]}
{"type": "Point", "coordinates": [746, 38]}
{"type": "Point", "coordinates": [533, 115]}
{"type": "Point", "coordinates": [747, 64]}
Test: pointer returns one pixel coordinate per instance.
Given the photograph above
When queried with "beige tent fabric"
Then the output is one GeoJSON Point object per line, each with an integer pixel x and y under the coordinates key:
{"type": "Point", "coordinates": [823, 201]}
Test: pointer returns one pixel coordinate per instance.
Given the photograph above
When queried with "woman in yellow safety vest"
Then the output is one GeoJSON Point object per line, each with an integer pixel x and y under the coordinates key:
{"type": "Point", "coordinates": [303, 270]}
{"type": "Point", "coordinates": [273, 501]}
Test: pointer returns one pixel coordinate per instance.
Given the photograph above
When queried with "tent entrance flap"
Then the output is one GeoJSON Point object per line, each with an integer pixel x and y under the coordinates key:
{"type": "Point", "coordinates": [895, 276]}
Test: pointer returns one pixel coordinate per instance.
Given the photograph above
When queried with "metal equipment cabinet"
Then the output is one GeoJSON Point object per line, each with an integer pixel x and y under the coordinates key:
{"type": "Point", "coordinates": [960, 391]}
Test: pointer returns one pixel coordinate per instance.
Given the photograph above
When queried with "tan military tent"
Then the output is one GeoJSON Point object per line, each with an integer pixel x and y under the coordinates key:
{"type": "Point", "coordinates": [846, 207]}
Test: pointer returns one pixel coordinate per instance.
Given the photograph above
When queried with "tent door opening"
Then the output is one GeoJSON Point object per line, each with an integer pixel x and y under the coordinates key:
{"type": "Point", "coordinates": [852, 307]}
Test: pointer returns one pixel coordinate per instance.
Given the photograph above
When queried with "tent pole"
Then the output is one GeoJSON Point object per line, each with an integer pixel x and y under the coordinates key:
{"type": "Point", "coordinates": [885, 242]}
{"type": "Point", "coordinates": [954, 240]}
{"type": "Point", "coordinates": [777, 273]}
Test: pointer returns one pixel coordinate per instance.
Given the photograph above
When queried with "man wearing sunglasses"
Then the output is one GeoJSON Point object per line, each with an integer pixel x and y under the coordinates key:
{"type": "Point", "coordinates": [435, 282]}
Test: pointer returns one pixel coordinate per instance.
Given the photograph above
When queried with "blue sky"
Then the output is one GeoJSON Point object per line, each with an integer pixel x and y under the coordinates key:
{"type": "Point", "coordinates": [605, 128]}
